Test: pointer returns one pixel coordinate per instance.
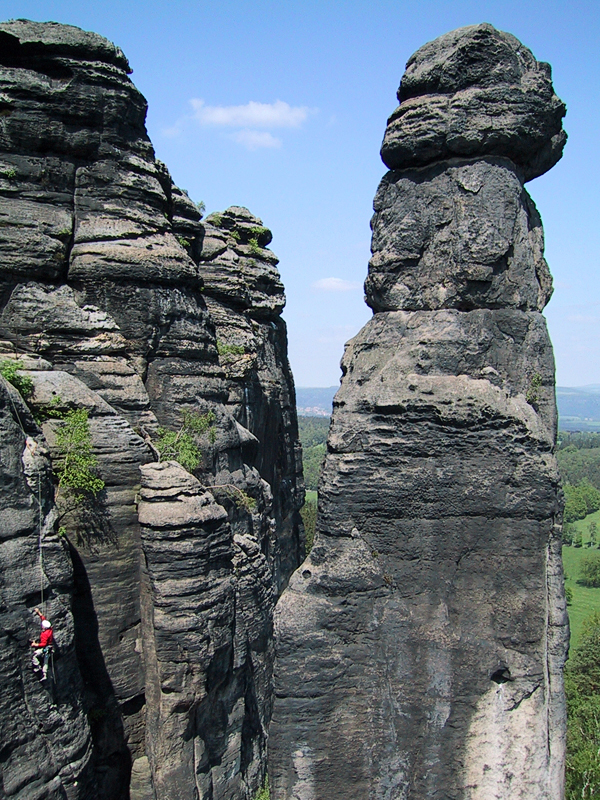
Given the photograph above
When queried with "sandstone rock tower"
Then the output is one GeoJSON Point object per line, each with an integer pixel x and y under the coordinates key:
{"type": "Point", "coordinates": [163, 598]}
{"type": "Point", "coordinates": [420, 646]}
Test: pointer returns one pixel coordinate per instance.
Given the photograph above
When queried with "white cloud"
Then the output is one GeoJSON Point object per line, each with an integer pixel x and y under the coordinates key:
{"type": "Point", "coordinates": [252, 140]}
{"type": "Point", "coordinates": [174, 130]}
{"type": "Point", "coordinates": [252, 115]}
{"type": "Point", "coordinates": [583, 318]}
{"type": "Point", "coordinates": [336, 285]}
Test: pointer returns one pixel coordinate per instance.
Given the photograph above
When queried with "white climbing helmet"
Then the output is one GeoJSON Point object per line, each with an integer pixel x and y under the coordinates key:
{"type": "Point", "coordinates": [46, 624]}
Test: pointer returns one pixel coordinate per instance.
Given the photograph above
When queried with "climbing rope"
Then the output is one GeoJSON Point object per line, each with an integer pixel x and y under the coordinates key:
{"type": "Point", "coordinates": [32, 450]}
{"type": "Point", "coordinates": [40, 538]}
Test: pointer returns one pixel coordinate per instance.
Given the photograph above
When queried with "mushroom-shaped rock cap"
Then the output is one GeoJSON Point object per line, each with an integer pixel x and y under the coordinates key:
{"type": "Point", "coordinates": [476, 91]}
{"type": "Point", "coordinates": [22, 37]}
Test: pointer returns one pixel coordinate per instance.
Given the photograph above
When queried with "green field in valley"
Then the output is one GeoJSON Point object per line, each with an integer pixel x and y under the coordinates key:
{"type": "Point", "coordinates": [585, 599]}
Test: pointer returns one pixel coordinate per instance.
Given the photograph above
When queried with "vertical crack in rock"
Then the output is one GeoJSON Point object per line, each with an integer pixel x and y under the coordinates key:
{"type": "Point", "coordinates": [101, 298]}
{"type": "Point", "coordinates": [420, 646]}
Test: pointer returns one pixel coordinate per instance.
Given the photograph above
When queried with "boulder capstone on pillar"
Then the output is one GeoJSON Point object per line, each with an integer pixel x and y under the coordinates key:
{"type": "Point", "coordinates": [420, 646]}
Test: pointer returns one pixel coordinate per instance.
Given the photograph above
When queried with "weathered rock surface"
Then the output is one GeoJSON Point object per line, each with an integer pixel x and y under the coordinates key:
{"type": "Point", "coordinates": [245, 297]}
{"type": "Point", "coordinates": [420, 646]}
{"type": "Point", "coordinates": [476, 91]}
{"type": "Point", "coordinates": [104, 544]}
{"type": "Point", "coordinates": [201, 668]}
{"type": "Point", "coordinates": [464, 236]}
{"type": "Point", "coordinates": [101, 297]}
{"type": "Point", "coordinates": [44, 734]}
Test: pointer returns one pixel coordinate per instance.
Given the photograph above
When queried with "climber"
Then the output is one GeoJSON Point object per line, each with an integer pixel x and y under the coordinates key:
{"type": "Point", "coordinates": [43, 648]}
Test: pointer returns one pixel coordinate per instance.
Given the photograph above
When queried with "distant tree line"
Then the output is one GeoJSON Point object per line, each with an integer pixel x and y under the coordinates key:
{"type": "Point", "coordinates": [580, 500]}
{"type": "Point", "coordinates": [578, 455]}
{"type": "Point", "coordinates": [580, 440]}
{"type": "Point", "coordinates": [582, 685]}
{"type": "Point", "coordinates": [313, 436]}
{"type": "Point", "coordinates": [578, 464]}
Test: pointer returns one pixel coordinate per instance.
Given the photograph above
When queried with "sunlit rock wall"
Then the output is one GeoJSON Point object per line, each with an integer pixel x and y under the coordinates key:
{"type": "Point", "coordinates": [420, 646]}
{"type": "Point", "coordinates": [101, 299]}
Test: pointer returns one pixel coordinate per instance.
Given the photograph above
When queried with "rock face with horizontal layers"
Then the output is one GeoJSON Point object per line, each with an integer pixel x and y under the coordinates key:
{"type": "Point", "coordinates": [245, 297]}
{"type": "Point", "coordinates": [420, 646]}
{"type": "Point", "coordinates": [102, 301]}
{"type": "Point", "coordinates": [44, 733]}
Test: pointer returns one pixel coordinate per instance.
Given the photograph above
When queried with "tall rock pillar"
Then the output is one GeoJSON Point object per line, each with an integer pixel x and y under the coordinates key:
{"type": "Point", "coordinates": [421, 644]}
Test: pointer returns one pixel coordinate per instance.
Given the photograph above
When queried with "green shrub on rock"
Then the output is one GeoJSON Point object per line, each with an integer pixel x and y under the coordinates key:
{"type": "Point", "coordinates": [263, 793]}
{"type": "Point", "coordinates": [9, 369]}
{"type": "Point", "coordinates": [181, 445]}
{"type": "Point", "coordinates": [76, 472]}
{"type": "Point", "coordinates": [78, 496]}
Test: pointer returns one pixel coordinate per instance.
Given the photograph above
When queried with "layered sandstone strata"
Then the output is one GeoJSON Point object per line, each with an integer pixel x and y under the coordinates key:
{"type": "Point", "coordinates": [421, 645]}
{"type": "Point", "coordinates": [245, 298]}
{"type": "Point", "coordinates": [44, 733]}
{"type": "Point", "coordinates": [101, 281]}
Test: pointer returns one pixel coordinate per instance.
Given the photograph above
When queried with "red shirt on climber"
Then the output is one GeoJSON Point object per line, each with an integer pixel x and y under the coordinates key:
{"type": "Point", "coordinates": [46, 636]}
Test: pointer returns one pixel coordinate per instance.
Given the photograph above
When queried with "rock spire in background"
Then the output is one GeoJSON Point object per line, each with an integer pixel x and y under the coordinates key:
{"type": "Point", "coordinates": [172, 581]}
{"type": "Point", "coordinates": [420, 646]}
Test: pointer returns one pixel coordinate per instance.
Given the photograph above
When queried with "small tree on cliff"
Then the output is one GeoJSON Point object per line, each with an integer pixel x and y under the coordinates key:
{"type": "Point", "coordinates": [78, 483]}
{"type": "Point", "coordinates": [181, 445]}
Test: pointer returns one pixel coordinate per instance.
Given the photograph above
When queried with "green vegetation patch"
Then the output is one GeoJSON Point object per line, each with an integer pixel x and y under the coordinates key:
{"type": "Point", "coordinates": [241, 499]}
{"type": "Point", "coordinates": [9, 369]}
{"type": "Point", "coordinates": [313, 437]}
{"type": "Point", "coordinates": [181, 445]}
{"type": "Point", "coordinates": [533, 390]}
{"type": "Point", "coordinates": [585, 600]}
{"type": "Point", "coordinates": [577, 464]}
{"type": "Point", "coordinates": [77, 471]}
{"type": "Point", "coordinates": [582, 686]}
{"type": "Point", "coordinates": [255, 248]}
{"type": "Point", "coordinates": [224, 349]}
{"type": "Point", "coordinates": [589, 569]}
{"type": "Point", "coordinates": [78, 484]}
{"type": "Point", "coordinates": [580, 500]}
{"type": "Point", "coordinates": [309, 518]}
{"type": "Point", "coordinates": [263, 793]}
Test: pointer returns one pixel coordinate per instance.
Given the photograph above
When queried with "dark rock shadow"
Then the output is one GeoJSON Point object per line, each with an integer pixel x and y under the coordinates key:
{"type": "Point", "coordinates": [112, 760]}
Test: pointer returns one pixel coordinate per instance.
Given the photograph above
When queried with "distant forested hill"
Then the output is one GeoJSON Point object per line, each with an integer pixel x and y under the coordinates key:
{"type": "Point", "coordinates": [316, 401]}
{"type": "Point", "coordinates": [578, 407]}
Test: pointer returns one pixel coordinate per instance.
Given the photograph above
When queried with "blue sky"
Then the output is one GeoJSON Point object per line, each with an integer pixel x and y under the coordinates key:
{"type": "Point", "coordinates": [321, 78]}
